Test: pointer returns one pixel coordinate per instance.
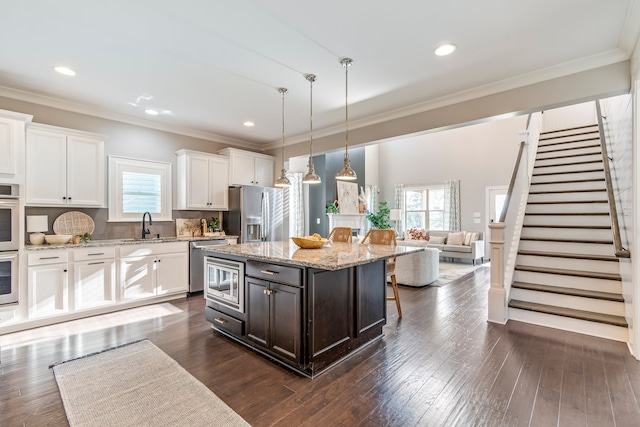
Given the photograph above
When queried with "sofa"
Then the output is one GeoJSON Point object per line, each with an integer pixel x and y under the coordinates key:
{"type": "Point", "coordinates": [455, 245]}
{"type": "Point", "coordinates": [418, 269]}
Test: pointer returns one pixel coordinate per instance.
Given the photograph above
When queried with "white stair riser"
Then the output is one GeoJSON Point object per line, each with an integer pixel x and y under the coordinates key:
{"type": "Point", "coordinates": [568, 233]}
{"type": "Point", "coordinates": [564, 151]}
{"type": "Point", "coordinates": [568, 247]}
{"type": "Point", "coordinates": [568, 186]}
{"type": "Point", "coordinates": [587, 283]}
{"type": "Point", "coordinates": [569, 147]}
{"type": "Point", "coordinates": [595, 329]}
{"type": "Point", "coordinates": [568, 208]}
{"type": "Point", "coordinates": [594, 266]}
{"type": "Point", "coordinates": [590, 220]}
{"type": "Point", "coordinates": [559, 175]}
{"type": "Point", "coordinates": [568, 197]}
{"type": "Point", "coordinates": [568, 301]}
{"type": "Point", "coordinates": [581, 159]}
{"type": "Point", "coordinates": [569, 135]}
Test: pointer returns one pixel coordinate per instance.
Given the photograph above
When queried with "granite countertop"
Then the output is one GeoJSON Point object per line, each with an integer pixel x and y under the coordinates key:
{"type": "Point", "coordinates": [122, 242]}
{"type": "Point", "coordinates": [332, 256]}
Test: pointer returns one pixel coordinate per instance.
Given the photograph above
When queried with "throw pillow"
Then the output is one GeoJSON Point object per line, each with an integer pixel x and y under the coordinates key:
{"type": "Point", "coordinates": [467, 239]}
{"type": "Point", "coordinates": [416, 234]}
{"type": "Point", "coordinates": [436, 240]}
{"type": "Point", "coordinates": [455, 238]}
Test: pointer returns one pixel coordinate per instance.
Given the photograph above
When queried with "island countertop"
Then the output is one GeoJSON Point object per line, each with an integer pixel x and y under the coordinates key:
{"type": "Point", "coordinates": [332, 256]}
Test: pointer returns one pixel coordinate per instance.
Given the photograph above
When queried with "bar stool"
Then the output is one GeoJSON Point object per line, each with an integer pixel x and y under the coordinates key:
{"type": "Point", "coordinates": [378, 236]}
{"type": "Point", "coordinates": [340, 234]}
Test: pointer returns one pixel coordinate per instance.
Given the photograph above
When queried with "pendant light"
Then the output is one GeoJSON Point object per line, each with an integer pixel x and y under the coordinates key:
{"type": "Point", "coordinates": [346, 173]}
{"type": "Point", "coordinates": [283, 181]}
{"type": "Point", "coordinates": [311, 177]}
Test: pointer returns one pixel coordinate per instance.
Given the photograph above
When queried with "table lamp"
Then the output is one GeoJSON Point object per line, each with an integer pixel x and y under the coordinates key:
{"type": "Point", "coordinates": [394, 215]}
{"type": "Point", "coordinates": [36, 224]}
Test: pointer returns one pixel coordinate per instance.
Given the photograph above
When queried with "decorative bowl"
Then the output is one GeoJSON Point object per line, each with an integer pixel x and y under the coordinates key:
{"type": "Point", "coordinates": [309, 243]}
{"type": "Point", "coordinates": [57, 239]}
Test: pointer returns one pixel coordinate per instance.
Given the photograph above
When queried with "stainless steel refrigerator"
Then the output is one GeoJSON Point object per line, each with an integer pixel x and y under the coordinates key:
{"type": "Point", "coordinates": [255, 214]}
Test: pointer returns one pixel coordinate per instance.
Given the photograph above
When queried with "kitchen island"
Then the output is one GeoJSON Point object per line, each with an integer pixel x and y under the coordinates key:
{"type": "Point", "coordinates": [304, 308]}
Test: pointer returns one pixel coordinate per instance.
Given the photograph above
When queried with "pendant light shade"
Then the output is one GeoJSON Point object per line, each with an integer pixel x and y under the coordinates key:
{"type": "Point", "coordinates": [346, 173]}
{"type": "Point", "coordinates": [311, 177]}
{"type": "Point", "coordinates": [283, 181]}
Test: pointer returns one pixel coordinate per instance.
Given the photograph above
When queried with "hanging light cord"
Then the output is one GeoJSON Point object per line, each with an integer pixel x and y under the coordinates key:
{"type": "Point", "coordinates": [346, 62]}
{"type": "Point", "coordinates": [311, 79]}
{"type": "Point", "coordinates": [283, 91]}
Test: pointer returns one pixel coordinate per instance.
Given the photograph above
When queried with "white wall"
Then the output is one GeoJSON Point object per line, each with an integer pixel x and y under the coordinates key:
{"type": "Point", "coordinates": [479, 156]}
{"type": "Point", "coordinates": [572, 116]}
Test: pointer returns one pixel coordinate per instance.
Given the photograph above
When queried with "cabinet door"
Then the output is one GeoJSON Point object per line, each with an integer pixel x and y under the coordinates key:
{"type": "Point", "coordinates": [85, 171]}
{"type": "Point", "coordinates": [257, 302]}
{"type": "Point", "coordinates": [7, 147]}
{"type": "Point", "coordinates": [48, 290]}
{"type": "Point", "coordinates": [94, 283]}
{"type": "Point", "coordinates": [172, 273]}
{"type": "Point", "coordinates": [197, 182]}
{"type": "Point", "coordinates": [46, 157]}
{"type": "Point", "coordinates": [137, 277]}
{"type": "Point", "coordinates": [286, 316]}
{"type": "Point", "coordinates": [264, 172]}
{"type": "Point", "coordinates": [242, 169]}
{"type": "Point", "coordinates": [218, 183]}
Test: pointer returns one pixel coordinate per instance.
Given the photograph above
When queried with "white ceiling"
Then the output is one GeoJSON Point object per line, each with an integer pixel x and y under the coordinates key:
{"type": "Point", "coordinates": [210, 64]}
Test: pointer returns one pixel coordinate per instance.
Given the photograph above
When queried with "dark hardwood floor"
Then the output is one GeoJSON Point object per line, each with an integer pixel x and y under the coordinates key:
{"type": "Point", "coordinates": [442, 364]}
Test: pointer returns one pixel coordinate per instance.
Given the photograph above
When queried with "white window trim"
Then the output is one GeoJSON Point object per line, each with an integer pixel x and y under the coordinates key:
{"type": "Point", "coordinates": [420, 188]}
{"type": "Point", "coordinates": [116, 166]}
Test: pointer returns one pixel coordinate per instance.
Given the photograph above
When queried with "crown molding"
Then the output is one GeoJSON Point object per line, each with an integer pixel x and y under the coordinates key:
{"type": "Point", "coordinates": [567, 68]}
{"type": "Point", "coordinates": [93, 110]}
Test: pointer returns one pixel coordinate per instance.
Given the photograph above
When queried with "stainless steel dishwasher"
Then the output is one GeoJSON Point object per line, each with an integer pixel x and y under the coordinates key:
{"type": "Point", "coordinates": [196, 262]}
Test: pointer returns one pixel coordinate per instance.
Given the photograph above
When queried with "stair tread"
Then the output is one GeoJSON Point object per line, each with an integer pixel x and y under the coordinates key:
{"type": "Point", "coordinates": [612, 258]}
{"type": "Point", "coordinates": [568, 172]}
{"type": "Point", "coordinates": [570, 181]}
{"type": "Point", "coordinates": [567, 156]}
{"type": "Point", "coordinates": [583, 227]}
{"type": "Point", "coordinates": [545, 239]}
{"type": "Point", "coordinates": [570, 312]}
{"type": "Point", "coordinates": [582, 147]}
{"type": "Point", "coordinates": [569, 213]}
{"type": "Point", "coordinates": [584, 162]}
{"type": "Point", "coordinates": [565, 272]}
{"type": "Point", "coordinates": [548, 132]}
{"type": "Point", "coordinates": [590, 190]}
{"type": "Point", "coordinates": [608, 296]}
{"type": "Point", "coordinates": [565, 202]}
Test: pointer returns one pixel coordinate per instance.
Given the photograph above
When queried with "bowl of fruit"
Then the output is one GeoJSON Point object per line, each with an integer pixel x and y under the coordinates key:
{"type": "Point", "coordinates": [314, 241]}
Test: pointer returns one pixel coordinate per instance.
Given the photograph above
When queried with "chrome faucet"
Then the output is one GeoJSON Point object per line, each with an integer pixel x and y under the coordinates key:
{"type": "Point", "coordinates": [145, 230]}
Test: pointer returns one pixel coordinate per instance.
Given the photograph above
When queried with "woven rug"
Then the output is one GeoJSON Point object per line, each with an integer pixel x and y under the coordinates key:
{"type": "Point", "coordinates": [450, 271]}
{"type": "Point", "coordinates": [137, 385]}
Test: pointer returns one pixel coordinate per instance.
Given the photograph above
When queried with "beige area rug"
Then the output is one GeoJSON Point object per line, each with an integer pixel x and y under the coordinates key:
{"type": "Point", "coordinates": [450, 271]}
{"type": "Point", "coordinates": [137, 385]}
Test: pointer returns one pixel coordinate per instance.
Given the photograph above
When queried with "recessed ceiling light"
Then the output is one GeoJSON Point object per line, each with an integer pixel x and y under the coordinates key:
{"type": "Point", "coordinates": [445, 49]}
{"type": "Point", "coordinates": [65, 71]}
{"type": "Point", "coordinates": [151, 112]}
{"type": "Point", "coordinates": [249, 124]}
{"type": "Point", "coordinates": [133, 104]}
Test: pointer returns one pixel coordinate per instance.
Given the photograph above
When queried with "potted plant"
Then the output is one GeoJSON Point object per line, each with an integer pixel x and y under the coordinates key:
{"type": "Point", "coordinates": [380, 219]}
{"type": "Point", "coordinates": [333, 208]}
{"type": "Point", "coordinates": [213, 224]}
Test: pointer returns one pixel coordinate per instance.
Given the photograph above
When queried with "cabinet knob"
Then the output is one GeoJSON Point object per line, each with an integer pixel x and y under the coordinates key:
{"type": "Point", "coordinates": [267, 291]}
{"type": "Point", "coordinates": [64, 197]}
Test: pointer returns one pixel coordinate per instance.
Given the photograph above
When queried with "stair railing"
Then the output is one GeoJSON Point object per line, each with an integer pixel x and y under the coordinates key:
{"type": "Point", "coordinates": [620, 251]}
{"type": "Point", "coordinates": [504, 235]}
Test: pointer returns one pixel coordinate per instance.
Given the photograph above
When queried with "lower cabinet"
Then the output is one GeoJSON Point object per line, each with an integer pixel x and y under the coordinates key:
{"type": "Point", "coordinates": [94, 284]}
{"type": "Point", "coordinates": [146, 271]}
{"type": "Point", "coordinates": [274, 313]}
{"type": "Point", "coordinates": [48, 290]}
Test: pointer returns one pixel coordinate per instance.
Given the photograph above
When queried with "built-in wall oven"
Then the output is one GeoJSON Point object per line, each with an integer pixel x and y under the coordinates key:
{"type": "Point", "coordinates": [224, 282]}
{"type": "Point", "coordinates": [9, 223]}
{"type": "Point", "coordinates": [8, 277]}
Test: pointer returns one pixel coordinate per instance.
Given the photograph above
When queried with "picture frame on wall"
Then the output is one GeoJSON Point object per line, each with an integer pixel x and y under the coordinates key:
{"type": "Point", "coordinates": [348, 197]}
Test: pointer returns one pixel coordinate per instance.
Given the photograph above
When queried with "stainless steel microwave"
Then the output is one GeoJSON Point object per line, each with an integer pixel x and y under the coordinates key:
{"type": "Point", "coordinates": [9, 224]}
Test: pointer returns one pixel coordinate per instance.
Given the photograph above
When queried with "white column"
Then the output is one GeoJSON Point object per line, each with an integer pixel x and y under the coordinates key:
{"type": "Point", "coordinates": [497, 304]}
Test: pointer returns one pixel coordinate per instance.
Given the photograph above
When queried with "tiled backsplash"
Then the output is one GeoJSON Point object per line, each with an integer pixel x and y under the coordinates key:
{"type": "Point", "coordinates": [119, 230]}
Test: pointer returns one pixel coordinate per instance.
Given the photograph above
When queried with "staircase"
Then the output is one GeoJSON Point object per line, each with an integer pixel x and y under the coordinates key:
{"type": "Point", "coordinates": [566, 274]}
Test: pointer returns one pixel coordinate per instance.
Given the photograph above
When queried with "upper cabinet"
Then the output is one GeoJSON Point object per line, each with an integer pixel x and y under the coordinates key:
{"type": "Point", "coordinates": [248, 168]}
{"type": "Point", "coordinates": [64, 167]}
{"type": "Point", "coordinates": [202, 181]}
{"type": "Point", "coordinates": [12, 127]}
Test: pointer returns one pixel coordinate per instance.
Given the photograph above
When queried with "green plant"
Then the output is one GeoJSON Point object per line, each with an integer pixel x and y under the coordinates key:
{"type": "Point", "coordinates": [380, 219]}
{"type": "Point", "coordinates": [85, 237]}
{"type": "Point", "coordinates": [333, 208]}
{"type": "Point", "coordinates": [213, 223]}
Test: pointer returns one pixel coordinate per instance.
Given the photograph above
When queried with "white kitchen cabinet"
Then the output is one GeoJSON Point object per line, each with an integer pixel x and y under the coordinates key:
{"type": "Point", "coordinates": [48, 283]}
{"type": "Point", "coordinates": [64, 167]}
{"type": "Point", "coordinates": [12, 129]}
{"type": "Point", "coordinates": [94, 278]}
{"type": "Point", "coordinates": [153, 270]}
{"type": "Point", "coordinates": [202, 181]}
{"type": "Point", "coordinates": [248, 168]}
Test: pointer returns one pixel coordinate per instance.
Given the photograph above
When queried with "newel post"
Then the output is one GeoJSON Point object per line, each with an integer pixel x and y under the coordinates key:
{"type": "Point", "coordinates": [497, 310]}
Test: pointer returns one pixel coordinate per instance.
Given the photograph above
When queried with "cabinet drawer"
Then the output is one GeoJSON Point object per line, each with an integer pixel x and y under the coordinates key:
{"type": "Point", "coordinates": [226, 322]}
{"type": "Point", "coordinates": [154, 249]}
{"type": "Point", "coordinates": [47, 257]}
{"type": "Point", "coordinates": [274, 273]}
{"type": "Point", "coordinates": [86, 254]}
